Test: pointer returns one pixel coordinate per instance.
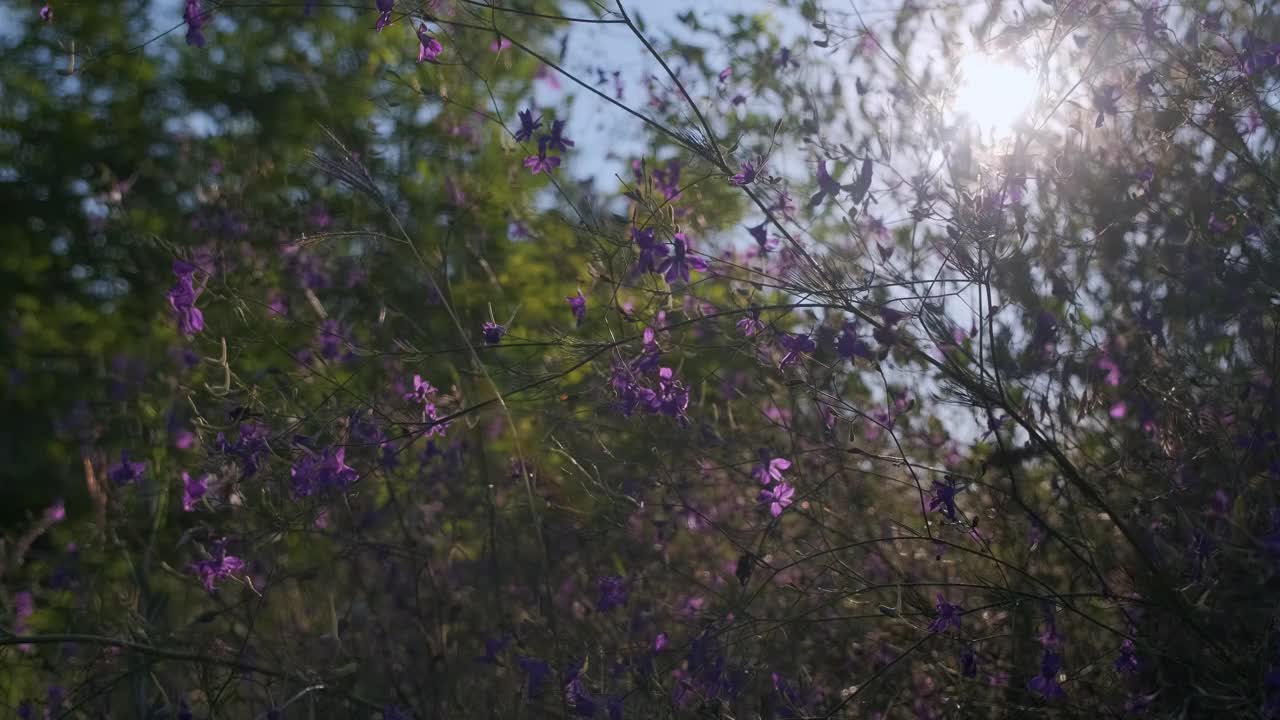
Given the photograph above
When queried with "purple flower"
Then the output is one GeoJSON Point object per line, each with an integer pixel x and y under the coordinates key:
{"type": "Point", "coordinates": [182, 299]}
{"type": "Point", "coordinates": [650, 249]}
{"type": "Point", "coordinates": [194, 18]}
{"type": "Point", "coordinates": [667, 179]}
{"type": "Point", "coordinates": [678, 265]}
{"type": "Point", "coordinates": [827, 185]}
{"type": "Point", "coordinates": [1046, 683]}
{"type": "Point", "coordinates": [613, 593]}
{"type": "Point", "coordinates": [46, 13]}
{"type": "Point", "coordinates": [660, 642]}
{"type": "Point", "coordinates": [384, 13]}
{"type": "Point", "coordinates": [769, 470]}
{"type": "Point", "coordinates": [850, 346]}
{"type": "Point", "coordinates": [492, 332]}
{"type": "Point", "coordinates": [751, 325]}
{"type": "Point", "coordinates": [1127, 663]}
{"type": "Point", "coordinates": [1256, 56]}
{"type": "Point", "coordinates": [796, 345]}
{"type": "Point", "coordinates": [527, 125]}
{"type": "Point", "coordinates": [748, 173]}
{"type": "Point", "coordinates": [761, 235]}
{"type": "Point", "coordinates": [944, 498]}
{"type": "Point", "coordinates": [556, 140]}
{"type": "Point", "coordinates": [578, 306]}
{"type": "Point", "coordinates": [777, 497]}
{"type": "Point", "coordinates": [671, 398]}
{"type": "Point", "coordinates": [948, 616]}
{"type": "Point", "coordinates": [1217, 224]}
{"type": "Point", "coordinates": [318, 472]}
{"type": "Point", "coordinates": [725, 73]}
{"type": "Point", "coordinates": [1104, 100]}
{"type": "Point", "coordinates": [536, 672]}
{"type": "Point", "coordinates": [192, 490]}
{"type": "Point", "coordinates": [542, 162]}
{"type": "Point", "coordinates": [126, 472]}
{"type": "Point", "coordinates": [429, 48]}
{"type": "Point", "coordinates": [218, 566]}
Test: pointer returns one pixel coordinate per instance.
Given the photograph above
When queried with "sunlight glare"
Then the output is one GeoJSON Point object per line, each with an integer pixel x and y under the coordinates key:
{"type": "Point", "coordinates": [993, 94]}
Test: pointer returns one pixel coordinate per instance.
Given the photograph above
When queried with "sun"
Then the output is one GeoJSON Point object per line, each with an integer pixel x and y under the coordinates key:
{"type": "Point", "coordinates": [992, 95]}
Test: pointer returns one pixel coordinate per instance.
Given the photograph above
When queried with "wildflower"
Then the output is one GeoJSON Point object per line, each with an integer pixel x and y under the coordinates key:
{"type": "Point", "coordinates": [751, 325]}
{"type": "Point", "coordinates": [384, 13]}
{"type": "Point", "coordinates": [761, 235]}
{"type": "Point", "coordinates": [318, 472]}
{"type": "Point", "coordinates": [1127, 663]}
{"type": "Point", "coordinates": [678, 265]}
{"type": "Point", "coordinates": [429, 48]}
{"type": "Point", "coordinates": [126, 472]}
{"type": "Point", "coordinates": [46, 13]}
{"type": "Point", "coordinates": [528, 124]}
{"type": "Point", "coordinates": [849, 345]}
{"type": "Point", "coordinates": [497, 46]}
{"type": "Point", "coordinates": [796, 345]}
{"type": "Point", "coordinates": [944, 498]}
{"type": "Point", "coordinates": [556, 139]}
{"type": "Point", "coordinates": [218, 566]}
{"type": "Point", "coordinates": [182, 298]}
{"type": "Point", "coordinates": [667, 179]}
{"type": "Point", "coordinates": [194, 17]}
{"type": "Point", "coordinates": [769, 470]}
{"type": "Point", "coordinates": [748, 173]}
{"type": "Point", "coordinates": [948, 616]}
{"type": "Point", "coordinates": [492, 332]}
{"type": "Point", "coordinates": [778, 497]}
{"type": "Point", "coordinates": [1046, 683]}
{"type": "Point", "coordinates": [542, 162]}
{"type": "Point", "coordinates": [578, 306]}
{"type": "Point", "coordinates": [827, 185]}
{"type": "Point", "coordinates": [613, 593]}
{"type": "Point", "coordinates": [650, 250]}
{"type": "Point", "coordinates": [536, 672]}
{"type": "Point", "coordinates": [1104, 100]}
{"type": "Point", "coordinates": [725, 73]}
{"type": "Point", "coordinates": [192, 490]}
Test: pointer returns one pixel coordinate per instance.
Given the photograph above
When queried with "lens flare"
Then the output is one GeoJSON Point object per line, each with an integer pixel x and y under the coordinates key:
{"type": "Point", "coordinates": [993, 95]}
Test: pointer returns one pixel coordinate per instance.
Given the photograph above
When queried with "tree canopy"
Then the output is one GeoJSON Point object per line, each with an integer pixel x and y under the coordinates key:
{"type": "Point", "coordinates": [534, 358]}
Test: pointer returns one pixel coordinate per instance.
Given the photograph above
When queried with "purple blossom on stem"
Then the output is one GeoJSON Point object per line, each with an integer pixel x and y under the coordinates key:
{"type": "Point", "coordinates": [46, 13]}
{"type": "Point", "coordinates": [126, 471]}
{"type": "Point", "coordinates": [796, 345]}
{"type": "Point", "coordinates": [182, 299]}
{"type": "Point", "coordinates": [192, 490]}
{"type": "Point", "coordinates": [778, 498]}
{"type": "Point", "coordinates": [761, 234]}
{"type": "Point", "coordinates": [1127, 662]}
{"type": "Point", "coordinates": [556, 139]}
{"type": "Point", "coordinates": [429, 48]}
{"type": "Point", "coordinates": [944, 498]}
{"type": "Point", "coordinates": [193, 15]}
{"type": "Point", "coordinates": [948, 615]}
{"type": "Point", "coordinates": [218, 566]}
{"type": "Point", "coordinates": [542, 162]}
{"type": "Point", "coordinates": [1046, 683]}
{"type": "Point", "coordinates": [747, 175]}
{"type": "Point", "coordinates": [578, 306]}
{"type": "Point", "coordinates": [678, 265]}
{"type": "Point", "coordinates": [725, 73]}
{"type": "Point", "coordinates": [750, 325]}
{"type": "Point", "coordinates": [769, 470]}
{"type": "Point", "coordinates": [650, 250]}
{"type": "Point", "coordinates": [492, 332]}
{"type": "Point", "coordinates": [384, 13]}
{"type": "Point", "coordinates": [528, 124]}
{"type": "Point", "coordinates": [318, 472]}
{"type": "Point", "coordinates": [850, 346]}
{"type": "Point", "coordinates": [667, 179]}
{"type": "Point", "coordinates": [827, 185]}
